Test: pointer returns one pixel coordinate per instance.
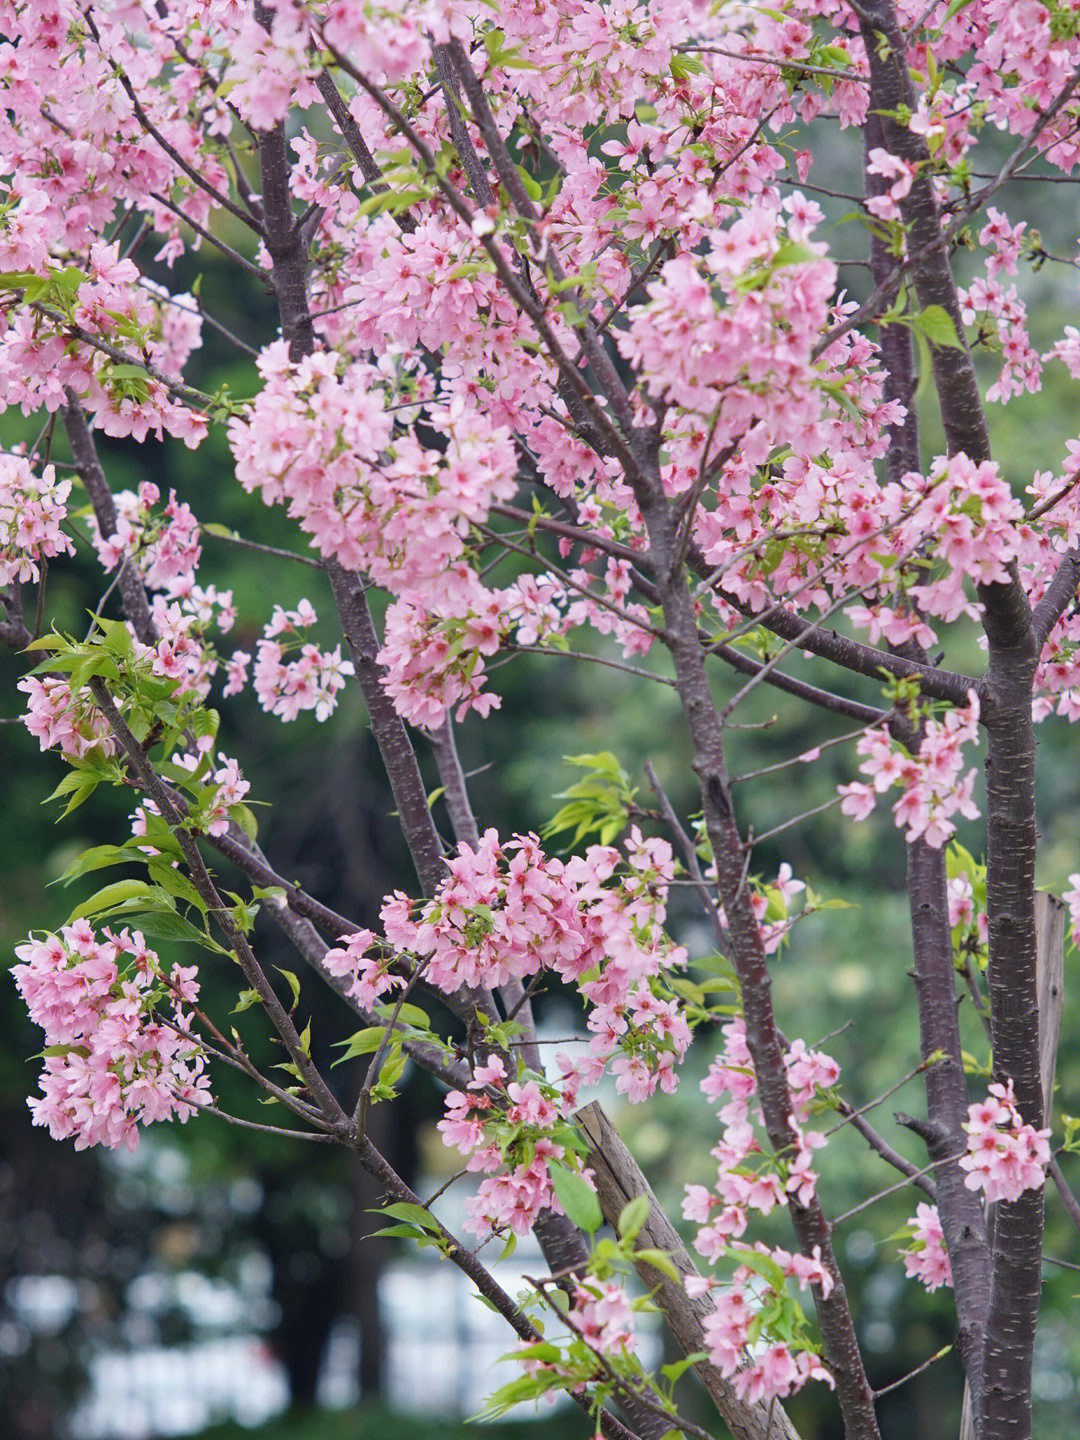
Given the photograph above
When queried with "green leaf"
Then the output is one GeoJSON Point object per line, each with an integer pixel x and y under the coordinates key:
{"type": "Point", "coordinates": [245, 818]}
{"type": "Point", "coordinates": [660, 1260]}
{"type": "Point", "coordinates": [167, 925]}
{"type": "Point", "coordinates": [954, 9]}
{"type": "Point", "coordinates": [415, 1214]}
{"type": "Point", "coordinates": [528, 1387]}
{"type": "Point", "coordinates": [98, 857]}
{"type": "Point", "coordinates": [539, 1350]}
{"type": "Point", "coordinates": [392, 1067]}
{"type": "Point", "coordinates": [294, 984]}
{"type": "Point", "coordinates": [936, 324]}
{"type": "Point", "coordinates": [364, 1042]}
{"type": "Point", "coordinates": [793, 252]}
{"type": "Point", "coordinates": [633, 1216]}
{"type": "Point", "coordinates": [119, 893]}
{"type": "Point", "coordinates": [46, 642]}
{"type": "Point", "coordinates": [577, 1198]}
{"type": "Point", "coordinates": [683, 66]}
{"type": "Point", "coordinates": [175, 882]}
{"type": "Point", "coordinates": [126, 372]}
{"type": "Point", "coordinates": [678, 1368]}
{"type": "Point", "coordinates": [246, 999]}
{"type": "Point", "coordinates": [408, 1015]}
{"type": "Point", "coordinates": [765, 1266]}
{"type": "Point", "coordinates": [532, 187]}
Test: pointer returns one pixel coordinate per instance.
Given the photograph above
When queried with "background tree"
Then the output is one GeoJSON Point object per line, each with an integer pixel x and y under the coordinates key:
{"type": "Point", "coordinates": [552, 296]}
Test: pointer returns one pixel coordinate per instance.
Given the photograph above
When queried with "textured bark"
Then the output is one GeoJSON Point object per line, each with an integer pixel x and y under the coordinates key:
{"type": "Point", "coordinates": [747, 953]}
{"type": "Point", "coordinates": [285, 243]}
{"type": "Point", "coordinates": [1005, 694]}
{"type": "Point", "coordinates": [1050, 915]}
{"type": "Point", "coordinates": [387, 726]}
{"type": "Point", "coordinates": [350, 133]}
{"type": "Point", "coordinates": [890, 90]}
{"type": "Point", "coordinates": [896, 341]}
{"type": "Point", "coordinates": [88, 466]}
{"type": "Point", "coordinates": [961, 1209]}
{"type": "Point", "coordinates": [13, 631]}
{"type": "Point", "coordinates": [620, 1180]}
{"type": "Point", "coordinates": [1010, 888]}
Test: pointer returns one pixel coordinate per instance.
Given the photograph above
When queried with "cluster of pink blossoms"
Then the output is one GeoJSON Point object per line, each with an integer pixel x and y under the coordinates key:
{"type": "Point", "coordinates": [766, 900]}
{"type": "Point", "coordinates": [508, 911]}
{"type": "Point", "coordinates": [1005, 1156]}
{"type": "Point", "coordinates": [747, 1181]}
{"type": "Point", "coordinates": [230, 787]}
{"type": "Point", "coordinates": [40, 361]}
{"type": "Point", "coordinates": [775, 1370]}
{"type": "Point", "coordinates": [1001, 314]}
{"type": "Point", "coordinates": [434, 653]}
{"type": "Point", "coordinates": [55, 717]}
{"type": "Point", "coordinates": [927, 1259]}
{"type": "Point", "coordinates": [602, 1317]}
{"type": "Point", "coordinates": [286, 687]}
{"type": "Point", "coordinates": [165, 548]}
{"type": "Point", "coordinates": [900, 175]}
{"type": "Point", "coordinates": [328, 437]}
{"type": "Point", "coordinates": [504, 1130]}
{"type": "Point", "coordinates": [932, 785]}
{"type": "Point", "coordinates": [739, 1186]}
{"type": "Point", "coordinates": [32, 509]}
{"type": "Point", "coordinates": [112, 1062]}
{"type": "Point", "coordinates": [368, 977]}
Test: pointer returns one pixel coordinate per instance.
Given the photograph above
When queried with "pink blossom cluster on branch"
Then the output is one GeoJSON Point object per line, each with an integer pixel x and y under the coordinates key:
{"type": "Point", "coordinates": [114, 1060]}
{"type": "Point", "coordinates": [505, 1130]}
{"type": "Point", "coordinates": [55, 717]}
{"type": "Point", "coordinates": [749, 1179]}
{"type": "Point", "coordinates": [932, 787]}
{"type": "Point", "coordinates": [508, 912]}
{"type": "Point", "coordinates": [927, 1259]}
{"type": "Point", "coordinates": [32, 509]}
{"type": "Point", "coordinates": [1004, 1156]}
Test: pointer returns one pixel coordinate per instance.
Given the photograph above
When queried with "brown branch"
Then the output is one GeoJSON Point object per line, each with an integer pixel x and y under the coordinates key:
{"type": "Point", "coordinates": [174, 155]}
{"type": "Point", "coordinates": [144, 773]}
{"type": "Point", "coordinates": [962, 1216]}
{"type": "Point", "coordinates": [881, 1146]}
{"type": "Point", "coordinates": [1058, 597]}
{"type": "Point", "coordinates": [89, 470]}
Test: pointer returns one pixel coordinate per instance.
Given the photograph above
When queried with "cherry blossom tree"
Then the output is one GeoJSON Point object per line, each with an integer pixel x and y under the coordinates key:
{"type": "Point", "coordinates": [555, 293]}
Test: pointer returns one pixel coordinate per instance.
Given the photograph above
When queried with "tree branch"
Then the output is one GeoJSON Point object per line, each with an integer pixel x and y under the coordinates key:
{"type": "Point", "coordinates": [280, 1018]}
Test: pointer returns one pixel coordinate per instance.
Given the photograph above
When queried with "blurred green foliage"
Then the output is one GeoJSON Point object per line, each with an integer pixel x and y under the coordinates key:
{"type": "Point", "coordinates": [370, 1422]}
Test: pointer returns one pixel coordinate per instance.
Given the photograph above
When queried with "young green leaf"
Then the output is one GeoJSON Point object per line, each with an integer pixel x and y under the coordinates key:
{"type": "Point", "coordinates": [577, 1198]}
